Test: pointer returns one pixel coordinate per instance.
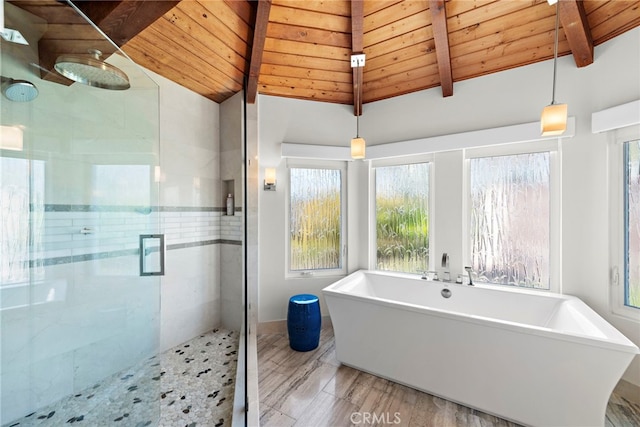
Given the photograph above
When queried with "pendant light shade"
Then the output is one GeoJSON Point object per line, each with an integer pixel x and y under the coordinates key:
{"type": "Point", "coordinates": [553, 120]}
{"type": "Point", "coordinates": [358, 148]}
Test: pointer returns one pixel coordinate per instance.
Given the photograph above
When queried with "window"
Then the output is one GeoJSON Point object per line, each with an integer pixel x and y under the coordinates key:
{"type": "Point", "coordinates": [631, 223]}
{"type": "Point", "coordinates": [22, 215]}
{"type": "Point", "coordinates": [510, 227]}
{"type": "Point", "coordinates": [402, 217]}
{"type": "Point", "coordinates": [316, 226]}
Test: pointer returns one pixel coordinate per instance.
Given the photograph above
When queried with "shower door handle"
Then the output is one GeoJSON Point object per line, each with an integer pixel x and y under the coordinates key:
{"type": "Point", "coordinates": [152, 254]}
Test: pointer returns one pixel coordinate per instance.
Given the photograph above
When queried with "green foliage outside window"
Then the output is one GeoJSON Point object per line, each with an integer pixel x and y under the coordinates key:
{"type": "Point", "coordinates": [402, 217]}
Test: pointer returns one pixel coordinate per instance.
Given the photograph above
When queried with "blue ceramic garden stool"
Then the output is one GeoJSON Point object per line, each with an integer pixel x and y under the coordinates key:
{"type": "Point", "coordinates": [303, 322]}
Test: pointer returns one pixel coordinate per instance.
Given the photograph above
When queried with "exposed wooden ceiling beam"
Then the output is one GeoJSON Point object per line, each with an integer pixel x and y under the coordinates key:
{"type": "Point", "coordinates": [357, 46]}
{"type": "Point", "coordinates": [123, 20]}
{"type": "Point", "coordinates": [257, 48]}
{"type": "Point", "coordinates": [119, 20]}
{"type": "Point", "coordinates": [576, 29]}
{"type": "Point", "coordinates": [441, 39]}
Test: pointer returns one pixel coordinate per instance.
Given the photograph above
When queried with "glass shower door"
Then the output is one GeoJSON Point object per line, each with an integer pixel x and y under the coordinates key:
{"type": "Point", "coordinates": [79, 321]}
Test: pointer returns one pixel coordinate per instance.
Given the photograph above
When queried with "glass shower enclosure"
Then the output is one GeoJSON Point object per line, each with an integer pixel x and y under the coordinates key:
{"type": "Point", "coordinates": [80, 254]}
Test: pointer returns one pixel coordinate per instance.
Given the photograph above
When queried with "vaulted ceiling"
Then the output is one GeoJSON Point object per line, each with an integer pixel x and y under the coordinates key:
{"type": "Point", "coordinates": [303, 48]}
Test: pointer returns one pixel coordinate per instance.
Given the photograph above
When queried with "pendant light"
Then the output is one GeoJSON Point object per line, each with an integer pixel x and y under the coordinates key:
{"type": "Point", "coordinates": [358, 144]}
{"type": "Point", "coordinates": [554, 116]}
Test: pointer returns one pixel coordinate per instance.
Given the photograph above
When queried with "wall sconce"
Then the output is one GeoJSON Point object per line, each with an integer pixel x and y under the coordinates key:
{"type": "Point", "coordinates": [269, 179]}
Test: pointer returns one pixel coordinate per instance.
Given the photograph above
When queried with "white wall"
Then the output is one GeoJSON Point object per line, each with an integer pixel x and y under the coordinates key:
{"type": "Point", "coordinates": [506, 98]}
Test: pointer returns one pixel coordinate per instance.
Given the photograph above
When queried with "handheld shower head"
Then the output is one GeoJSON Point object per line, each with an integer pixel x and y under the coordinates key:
{"type": "Point", "coordinates": [19, 90]}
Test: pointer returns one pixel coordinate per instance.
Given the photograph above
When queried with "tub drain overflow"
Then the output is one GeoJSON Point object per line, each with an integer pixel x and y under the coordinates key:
{"type": "Point", "coordinates": [445, 293]}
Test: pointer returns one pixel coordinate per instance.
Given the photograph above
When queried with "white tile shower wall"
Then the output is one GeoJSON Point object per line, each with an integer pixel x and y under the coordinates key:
{"type": "Point", "coordinates": [68, 233]}
{"type": "Point", "coordinates": [94, 310]}
{"type": "Point", "coordinates": [190, 294]}
{"type": "Point", "coordinates": [231, 228]}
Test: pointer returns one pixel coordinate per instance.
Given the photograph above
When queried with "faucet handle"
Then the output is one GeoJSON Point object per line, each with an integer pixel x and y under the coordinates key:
{"type": "Point", "coordinates": [469, 271]}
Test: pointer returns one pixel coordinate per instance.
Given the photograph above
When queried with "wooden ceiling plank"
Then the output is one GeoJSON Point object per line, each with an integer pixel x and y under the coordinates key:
{"type": "Point", "coordinates": [401, 67]}
{"type": "Point", "coordinates": [305, 62]}
{"type": "Point", "coordinates": [612, 19]}
{"type": "Point", "coordinates": [420, 37]}
{"type": "Point", "coordinates": [308, 35]}
{"type": "Point", "coordinates": [427, 74]}
{"type": "Point", "coordinates": [421, 79]}
{"type": "Point", "coordinates": [222, 16]}
{"type": "Point", "coordinates": [173, 68]}
{"type": "Point", "coordinates": [227, 61]}
{"type": "Point", "coordinates": [305, 73]}
{"type": "Point", "coordinates": [214, 27]}
{"type": "Point", "coordinates": [306, 84]}
{"type": "Point", "coordinates": [375, 6]}
{"type": "Point", "coordinates": [184, 27]}
{"type": "Point", "coordinates": [460, 7]}
{"type": "Point", "coordinates": [311, 95]}
{"type": "Point", "coordinates": [257, 48]}
{"type": "Point", "coordinates": [411, 53]}
{"type": "Point", "coordinates": [122, 20]}
{"type": "Point", "coordinates": [170, 55]}
{"type": "Point", "coordinates": [333, 7]}
{"type": "Point", "coordinates": [395, 14]}
{"type": "Point", "coordinates": [441, 38]}
{"type": "Point", "coordinates": [517, 24]}
{"type": "Point", "coordinates": [194, 55]}
{"type": "Point", "coordinates": [357, 47]}
{"type": "Point", "coordinates": [52, 11]}
{"type": "Point", "coordinates": [310, 19]}
{"type": "Point", "coordinates": [307, 49]}
{"type": "Point", "coordinates": [477, 64]}
{"type": "Point", "coordinates": [539, 46]}
{"type": "Point", "coordinates": [71, 32]}
{"type": "Point", "coordinates": [606, 10]}
{"type": "Point", "coordinates": [504, 36]}
{"type": "Point", "coordinates": [492, 10]}
{"type": "Point", "coordinates": [576, 29]}
{"type": "Point", "coordinates": [405, 26]}
{"type": "Point", "coordinates": [242, 9]}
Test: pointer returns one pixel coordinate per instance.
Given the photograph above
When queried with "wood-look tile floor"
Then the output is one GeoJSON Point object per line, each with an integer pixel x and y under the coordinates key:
{"type": "Point", "coordinates": [313, 389]}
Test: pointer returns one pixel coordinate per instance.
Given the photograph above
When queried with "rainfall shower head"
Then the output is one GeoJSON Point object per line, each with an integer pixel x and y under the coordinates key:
{"type": "Point", "coordinates": [92, 71]}
{"type": "Point", "coordinates": [19, 90]}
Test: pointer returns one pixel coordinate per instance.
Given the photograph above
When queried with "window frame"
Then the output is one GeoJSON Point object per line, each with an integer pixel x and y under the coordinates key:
{"type": "Point", "coordinates": [341, 166]}
{"type": "Point", "coordinates": [399, 161]}
{"type": "Point", "coordinates": [554, 148]}
{"type": "Point", "coordinates": [617, 285]}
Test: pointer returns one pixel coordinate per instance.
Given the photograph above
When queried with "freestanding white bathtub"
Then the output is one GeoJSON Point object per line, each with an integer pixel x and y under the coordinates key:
{"type": "Point", "coordinates": [535, 358]}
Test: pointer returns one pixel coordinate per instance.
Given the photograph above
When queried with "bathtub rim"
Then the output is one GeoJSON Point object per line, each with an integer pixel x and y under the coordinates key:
{"type": "Point", "coordinates": [618, 343]}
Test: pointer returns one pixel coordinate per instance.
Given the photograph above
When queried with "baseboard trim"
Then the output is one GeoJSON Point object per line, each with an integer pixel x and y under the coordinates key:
{"type": "Point", "coordinates": [280, 326]}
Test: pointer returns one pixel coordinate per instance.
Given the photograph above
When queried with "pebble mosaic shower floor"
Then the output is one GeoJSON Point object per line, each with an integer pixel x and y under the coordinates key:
{"type": "Point", "coordinates": [189, 385]}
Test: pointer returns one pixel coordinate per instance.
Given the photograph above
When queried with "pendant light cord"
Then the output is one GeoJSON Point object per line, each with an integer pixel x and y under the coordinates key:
{"type": "Point", "coordinates": [555, 55]}
{"type": "Point", "coordinates": [357, 103]}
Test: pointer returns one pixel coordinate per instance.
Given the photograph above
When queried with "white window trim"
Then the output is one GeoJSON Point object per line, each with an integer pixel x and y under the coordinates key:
{"type": "Point", "coordinates": [399, 161]}
{"type": "Point", "coordinates": [317, 164]}
{"type": "Point", "coordinates": [616, 222]}
{"type": "Point", "coordinates": [554, 147]}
